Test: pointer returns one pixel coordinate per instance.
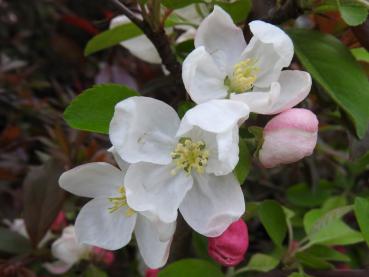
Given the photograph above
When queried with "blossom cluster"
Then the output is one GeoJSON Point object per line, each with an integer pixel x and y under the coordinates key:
{"type": "Point", "coordinates": [168, 165]}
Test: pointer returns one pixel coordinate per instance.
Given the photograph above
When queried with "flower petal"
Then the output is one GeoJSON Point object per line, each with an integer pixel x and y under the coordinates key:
{"type": "Point", "coordinates": [222, 39]}
{"type": "Point", "coordinates": [154, 251]}
{"type": "Point", "coordinates": [202, 78]}
{"type": "Point", "coordinates": [295, 87]}
{"type": "Point", "coordinates": [57, 267]}
{"type": "Point", "coordinates": [97, 226]}
{"type": "Point", "coordinates": [92, 180]}
{"type": "Point", "coordinates": [215, 116]}
{"type": "Point", "coordinates": [213, 203]}
{"type": "Point", "coordinates": [271, 48]}
{"type": "Point", "coordinates": [139, 46]}
{"type": "Point", "coordinates": [143, 129]}
{"type": "Point", "coordinates": [154, 189]}
{"type": "Point", "coordinates": [259, 102]}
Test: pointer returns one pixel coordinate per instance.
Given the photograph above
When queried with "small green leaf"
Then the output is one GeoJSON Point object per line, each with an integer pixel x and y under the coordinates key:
{"type": "Point", "coordinates": [184, 107]}
{"type": "Point", "coordinates": [191, 267]}
{"type": "Point", "coordinates": [328, 60]}
{"type": "Point", "coordinates": [242, 169]}
{"type": "Point", "coordinates": [93, 271]}
{"type": "Point", "coordinates": [313, 262]}
{"type": "Point", "coordinates": [352, 12]}
{"type": "Point", "coordinates": [327, 253]}
{"type": "Point", "coordinates": [13, 243]}
{"type": "Point", "coordinates": [273, 219]}
{"type": "Point", "coordinates": [175, 4]}
{"type": "Point", "coordinates": [361, 208]}
{"type": "Point", "coordinates": [112, 37]}
{"type": "Point", "coordinates": [303, 196]}
{"type": "Point", "coordinates": [238, 10]}
{"type": "Point", "coordinates": [261, 263]}
{"type": "Point", "coordinates": [93, 109]}
{"type": "Point", "coordinates": [334, 202]}
{"type": "Point", "coordinates": [298, 274]}
{"type": "Point", "coordinates": [361, 54]}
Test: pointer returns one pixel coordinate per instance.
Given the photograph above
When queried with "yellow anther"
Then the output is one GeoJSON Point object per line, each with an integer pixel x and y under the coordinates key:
{"type": "Point", "coordinates": [190, 155]}
{"type": "Point", "coordinates": [120, 202]}
{"type": "Point", "coordinates": [244, 76]}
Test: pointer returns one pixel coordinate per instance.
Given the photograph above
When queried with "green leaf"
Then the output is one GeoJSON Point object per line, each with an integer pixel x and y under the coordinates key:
{"type": "Point", "coordinates": [112, 37]}
{"type": "Point", "coordinates": [93, 109]}
{"type": "Point", "coordinates": [361, 54]}
{"type": "Point", "coordinates": [361, 208]}
{"type": "Point", "coordinates": [93, 271]}
{"type": "Point", "coordinates": [238, 10]}
{"type": "Point", "coordinates": [242, 169]}
{"type": "Point", "coordinates": [329, 229]}
{"type": "Point", "coordinates": [334, 202]}
{"type": "Point", "coordinates": [313, 262]}
{"type": "Point", "coordinates": [184, 107]}
{"type": "Point", "coordinates": [261, 263]}
{"type": "Point", "coordinates": [298, 274]}
{"type": "Point", "coordinates": [273, 219]}
{"type": "Point", "coordinates": [352, 12]}
{"type": "Point", "coordinates": [335, 69]}
{"type": "Point", "coordinates": [13, 243]}
{"type": "Point", "coordinates": [176, 4]}
{"type": "Point", "coordinates": [303, 196]}
{"type": "Point", "coordinates": [191, 267]}
{"type": "Point", "coordinates": [327, 253]}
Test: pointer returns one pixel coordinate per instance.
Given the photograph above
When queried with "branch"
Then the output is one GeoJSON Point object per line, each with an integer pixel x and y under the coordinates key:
{"type": "Point", "coordinates": [158, 38]}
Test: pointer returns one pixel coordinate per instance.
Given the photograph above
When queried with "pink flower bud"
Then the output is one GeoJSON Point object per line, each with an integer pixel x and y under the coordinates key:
{"type": "Point", "coordinates": [101, 255]}
{"type": "Point", "coordinates": [230, 247]}
{"type": "Point", "coordinates": [152, 272]}
{"type": "Point", "coordinates": [289, 137]}
{"type": "Point", "coordinates": [59, 222]}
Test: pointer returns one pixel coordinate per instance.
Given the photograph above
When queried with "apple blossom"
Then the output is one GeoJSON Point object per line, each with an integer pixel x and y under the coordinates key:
{"type": "Point", "coordinates": [67, 251]}
{"type": "Point", "coordinates": [141, 46]}
{"type": "Point", "coordinates": [230, 247]}
{"type": "Point", "coordinates": [222, 65]}
{"type": "Point", "coordinates": [289, 137]}
{"type": "Point", "coordinates": [186, 165]}
{"type": "Point", "coordinates": [107, 221]}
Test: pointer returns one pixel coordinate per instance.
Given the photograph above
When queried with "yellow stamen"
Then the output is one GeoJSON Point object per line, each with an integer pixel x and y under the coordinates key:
{"type": "Point", "coordinates": [120, 202]}
{"type": "Point", "coordinates": [190, 155]}
{"type": "Point", "coordinates": [244, 76]}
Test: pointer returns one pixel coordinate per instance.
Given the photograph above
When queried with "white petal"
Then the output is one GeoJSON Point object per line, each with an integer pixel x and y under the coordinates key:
{"type": "Point", "coordinates": [92, 180]}
{"type": "Point", "coordinates": [216, 116]}
{"type": "Point", "coordinates": [227, 153]}
{"type": "Point", "coordinates": [152, 188]}
{"type": "Point", "coordinates": [213, 203]}
{"type": "Point", "coordinates": [67, 249]}
{"type": "Point", "coordinates": [143, 129]}
{"type": "Point", "coordinates": [165, 230]}
{"type": "Point", "coordinates": [271, 48]}
{"type": "Point", "coordinates": [96, 225]}
{"type": "Point", "coordinates": [57, 267]}
{"type": "Point", "coordinates": [295, 87]}
{"type": "Point", "coordinates": [222, 39]}
{"type": "Point", "coordinates": [154, 251]}
{"type": "Point", "coordinates": [123, 165]}
{"type": "Point", "coordinates": [202, 78]}
{"type": "Point", "coordinates": [139, 46]}
{"type": "Point", "coordinates": [257, 101]}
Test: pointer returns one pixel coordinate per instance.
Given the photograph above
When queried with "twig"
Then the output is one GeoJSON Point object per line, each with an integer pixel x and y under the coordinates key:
{"type": "Point", "coordinates": [127, 12]}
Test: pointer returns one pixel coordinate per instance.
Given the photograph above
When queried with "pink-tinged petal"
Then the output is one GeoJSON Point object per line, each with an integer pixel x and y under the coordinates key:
{"type": "Point", "coordinates": [289, 137]}
{"type": "Point", "coordinates": [230, 247]}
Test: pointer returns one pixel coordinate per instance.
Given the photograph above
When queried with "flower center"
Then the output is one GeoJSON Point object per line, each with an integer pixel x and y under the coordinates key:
{"type": "Point", "coordinates": [243, 77]}
{"type": "Point", "coordinates": [190, 155]}
{"type": "Point", "coordinates": [120, 202]}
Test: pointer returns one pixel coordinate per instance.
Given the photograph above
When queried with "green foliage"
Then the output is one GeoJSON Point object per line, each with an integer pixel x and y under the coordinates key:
{"type": "Point", "coordinates": [273, 219]}
{"type": "Point", "coordinates": [328, 60]}
{"type": "Point", "coordinates": [93, 271]}
{"type": "Point", "coordinates": [175, 4]}
{"type": "Point", "coordinates": [191, 267]}
{"type": "Point", "coordinates": [312, 261]}
{"type": "Point", "coordinates": [238, 10]}
{"type": "Point", "coordinates": [361, 208]}
{"type": "Point", "coordinates": [326, 253]}
{"type": "Point", "coordinates": [261, 263]}
{"type": "Point", "coordinates": [112, 37]}
{"type": "Point", "coordinates": [93, 109]}
{"type": "Point", "coordinates": [13, 243]}
{"type": "Point", "coordinates": [352, 12]}
{"type": "Point", "coordinates": [303, 196]}
{"type": "Point", "coordinates": [361, 54]}
{"type": "Point", "coordinates": [244, 164]}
